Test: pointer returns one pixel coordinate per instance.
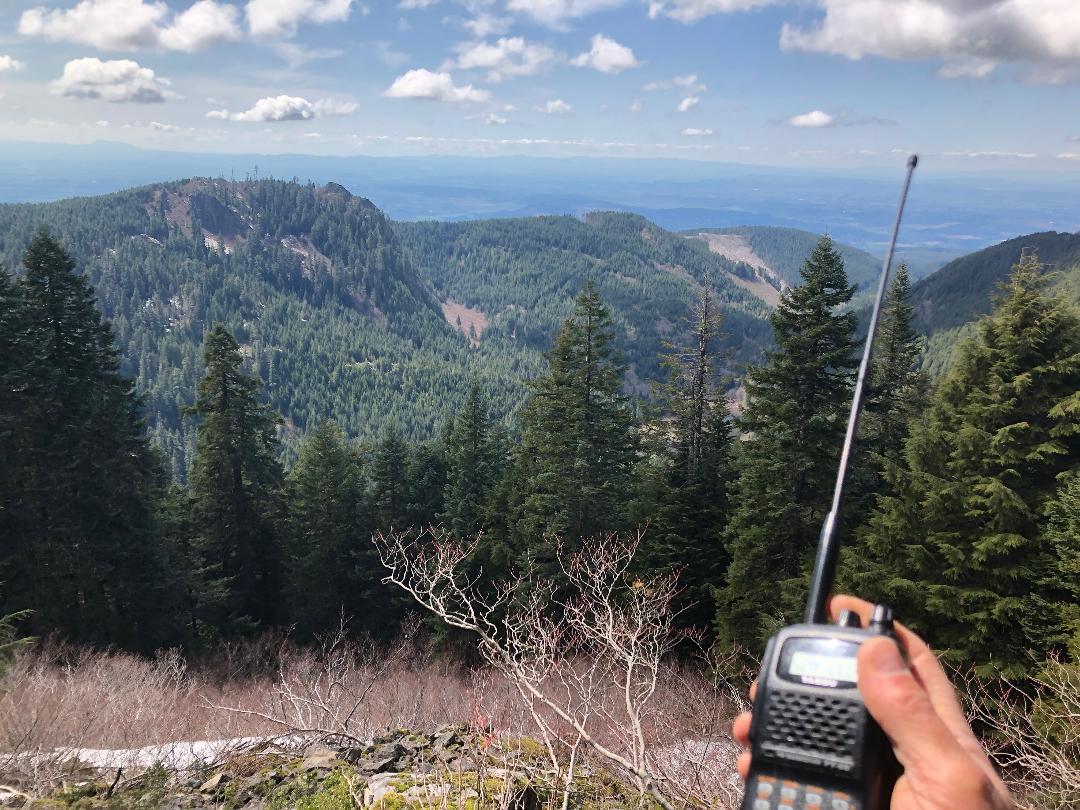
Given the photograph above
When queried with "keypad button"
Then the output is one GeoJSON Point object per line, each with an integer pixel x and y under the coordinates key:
{"type": "Point", "coordinates": [764, 789]}
{"type": "Point", "coordinates": [841, 804]}
{"type": "Point", "coordinates": [762, 804]}
{"type": "Point", "coordinates": [788, 794]}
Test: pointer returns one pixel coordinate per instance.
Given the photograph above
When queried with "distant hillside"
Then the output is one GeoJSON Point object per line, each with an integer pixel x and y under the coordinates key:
{"type": "Point", "coordinates": [519, 277]}
{"type": "Point", "coordinates": [311, 280]}
{"type": "Point", "coordinates": [949, 301]}
{"type": "Point", "coordinates": [785, 249]}
{"type": "Point", "coordinates": [344, 314]}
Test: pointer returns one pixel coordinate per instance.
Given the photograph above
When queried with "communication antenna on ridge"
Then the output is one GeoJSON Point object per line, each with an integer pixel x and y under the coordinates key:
{"type": "Point", "coordinates": [825, 564]}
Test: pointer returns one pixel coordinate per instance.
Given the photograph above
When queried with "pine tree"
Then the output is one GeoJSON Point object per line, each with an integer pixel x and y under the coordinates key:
{"type": "Point", "coordinates": [577, 450]}
{"type": "Point", "coordinates": [795, 417]}
{"type": "Point", "coordinates": [81, 481]}
{"type": "Point", "coordinates": [472, 467]}
{"type": "Point", "coordinates": [425, 474]}
{"type": "Point", "coordinates": [957, 546]}
{"type": "Point", "coordinates": [235, 492]}
{"type": "Point", "coordinates": [683, 494]}
{"type": "Point", "coordinates": [328, 537]}
{"type": "Point", "coordinates": [389, 482]}
{"type": "Point", "coordinates": [1062, 534]}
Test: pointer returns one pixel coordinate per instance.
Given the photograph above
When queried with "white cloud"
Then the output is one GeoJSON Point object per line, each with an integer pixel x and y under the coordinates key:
{"type": "Point", "coordinates": [287, 108]}
{"type": "Point", "coordinates": [159, 127]}
{"type": "Point", "coordinates": [694, 132]}
{"type": "Point", "coordinates": [277, 108]}
{"type": "Point", "coordinates": [414, 4]}
{"type": "Point", "coordinates": [297, 55]}
{"type": "Point", "coordinates": [967, 69]}
{"type": "Point", "coordinates": [635, 106]}
{"type": "Point", "coordinates": [10, 63]}
{"type": "Point", "coordinates": [815, 118]}
{"type": "Point", "coordinates": [992, 154]}
{"type": "Point", "coordinates": [103, 124]}
{"type": "Point", "coordinates": [281, 18]}
{"type": "Point", "coordinates": [1069, 156]}
{"type": "Point", "coordinates": [484, 25]}
{"type": "Point", "coordinates": [555, 106]}
{"type": "Point", "coordinates": [688, 103]}
{"type": "Point", "coordinates": [203, 24]}
{"type": "Point", "coordinates": [554, 12]}
{"type": "Point", "coordinates": [1073, 138]}
{"type": "Point", "coordinates": [116, 80]}
{"type": "Point", "coordinates": [688, 11]}
{"type": "Point", "coordinates": [607, 56]}
{"type": "Point", "coordinates": [127, 25]}
{"type": "Point", "coordinates": [505, 58]}
{"type": "Point", "coordinates": [433, 86]}
{"type": "Point", "coordinates": [491, 119]}
{"type": "Point", "coordinates": [991, 30]}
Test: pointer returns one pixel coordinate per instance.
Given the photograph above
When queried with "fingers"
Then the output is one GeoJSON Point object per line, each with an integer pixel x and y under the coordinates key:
{"type": "Point", "coordinates": [924, 665]}
{"type": "Point", "coordinates": [743, 764]}
{"type": "Point", "coordinates": [740, 729]}
{"type": "Point", "coordinates": [904, 710]}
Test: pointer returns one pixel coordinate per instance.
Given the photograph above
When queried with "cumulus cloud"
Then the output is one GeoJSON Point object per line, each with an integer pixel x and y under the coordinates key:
{"type": "Point", "coordinates": [813, 119]}
{"type": "Point", "coordinates": [282, 18]}
{"type": "Point", "coordinates": [991, 30]}
{"type": "Point", "coordinates": [689, 11]}
{"type": "Point", "coordinates": [286, 108]}
{"type": "Point", "coordinates": [555, 12]}
{"type": "Point", "coordinates": [636, 106]}
{"type": "Point", "coordinates": [607, 56]}
{"type": "Point", "coordinates": [555, 106]}
{"type": "Point", "coordinates": [433, 86]}
{"type": "Point", "coordinates": [128, 25]}
{"type": "Point", "coordinates": [10, 64]}
{"type": "Point", "coordinates": [159, 127]}
{"type": "Point", "coordinates": [694, 132]}
{"type": "Point", "coordinates": [485, 25]}
{"type": "Point", "coordinates": [688, 103]}
{"type": "Point", "coordinates": [116, 80]}
{"type": "Point", "coordinates": [505, 58]}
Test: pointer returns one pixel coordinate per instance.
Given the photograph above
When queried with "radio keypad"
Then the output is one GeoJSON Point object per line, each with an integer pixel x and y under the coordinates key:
{"type": "Point", "coordinates": [772, 793]}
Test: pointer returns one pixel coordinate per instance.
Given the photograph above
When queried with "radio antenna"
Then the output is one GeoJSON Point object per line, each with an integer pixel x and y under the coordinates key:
{"type": "Point", "coordinates": [828, 547]}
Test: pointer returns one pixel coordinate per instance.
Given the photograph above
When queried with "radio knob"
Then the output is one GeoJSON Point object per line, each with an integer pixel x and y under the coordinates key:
{"type": "Point", "coordinates": [848, 618]}
{"type": "Point", "coordinates": [881, 620]}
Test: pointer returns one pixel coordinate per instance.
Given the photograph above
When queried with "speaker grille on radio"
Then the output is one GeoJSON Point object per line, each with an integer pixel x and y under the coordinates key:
{"type": "Point", "coordinates": [827, 726]}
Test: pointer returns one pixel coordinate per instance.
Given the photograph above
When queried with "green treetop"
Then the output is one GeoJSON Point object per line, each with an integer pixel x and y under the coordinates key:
{"type": "Point", "coordinates": [958, 547]}
{"type": "Point", "coordinates": [795, 416]}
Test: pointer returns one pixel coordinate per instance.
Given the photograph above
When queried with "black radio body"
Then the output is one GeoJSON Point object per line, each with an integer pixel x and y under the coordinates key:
{"type": "Point", "coordinates": [814, 746]}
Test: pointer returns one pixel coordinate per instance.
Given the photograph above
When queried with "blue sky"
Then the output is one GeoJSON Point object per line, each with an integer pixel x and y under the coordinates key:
{"type": "Point", "coordinates": [972, 84]}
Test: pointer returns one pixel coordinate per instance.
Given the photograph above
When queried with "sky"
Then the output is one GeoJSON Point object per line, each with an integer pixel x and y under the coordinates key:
{"type": "Point", "coordinates": [970, 84]}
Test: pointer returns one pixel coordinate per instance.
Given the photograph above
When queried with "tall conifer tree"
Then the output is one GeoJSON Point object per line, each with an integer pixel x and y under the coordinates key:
{"type": "Point", "coordinates": [577, 448]}
{"type": "Point", "coordinates": [389, 482]}
{"type": "Point", "coordinates": [235, 491]}
{"type": "Point", "coordinates": [958, 547]}
{"type": "Point", "coordinates": [473, 467]}
{"type": "Point", "coordinates": [81, 483]}
{"type": "Point", "coordinates": [796, 404]}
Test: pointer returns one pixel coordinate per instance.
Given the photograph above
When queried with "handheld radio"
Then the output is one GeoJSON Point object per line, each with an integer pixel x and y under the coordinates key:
{"type": "Point", "coordinates": [814, 746]}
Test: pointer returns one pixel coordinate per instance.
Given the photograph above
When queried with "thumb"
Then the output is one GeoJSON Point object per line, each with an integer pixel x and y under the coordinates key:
{"type": "Point", "coordinates": [903, 709]}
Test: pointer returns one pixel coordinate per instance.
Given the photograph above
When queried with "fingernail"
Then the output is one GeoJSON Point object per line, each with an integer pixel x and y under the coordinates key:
{"type": "Point", "coordinates": [884, 656]}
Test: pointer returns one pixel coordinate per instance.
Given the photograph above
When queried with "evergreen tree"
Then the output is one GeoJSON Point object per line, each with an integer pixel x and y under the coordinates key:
{"type": "Point", "coordinates": [328, 539]}
{"type": "Point", "coordinates": [1062, 533]}
{"type": "Point", "coordinates": [473, 467]}
{"type": "Point", "coordinates": [683, 494]}
{"type": "Point", "coordinates": [795, 417]}
{"type": "Point", "coordinates": [957, 546]}
{"type": "Point", "coordinates": [80, 485]}
{"type": "Point", "coordinates": [235, 493]}
{"type": "Point", "coordinates": [389, 483]}
{"type": "Point", "coordinates": [577, 449]}
{"type": "Point", "coordinates": [426, 477]}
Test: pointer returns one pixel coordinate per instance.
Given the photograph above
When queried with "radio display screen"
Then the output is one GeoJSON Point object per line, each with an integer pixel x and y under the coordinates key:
{"type": "Point", "coordinates": [819, 661]}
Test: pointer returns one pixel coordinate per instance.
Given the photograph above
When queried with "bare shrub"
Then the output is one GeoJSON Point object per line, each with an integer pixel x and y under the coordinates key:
{"type": "Point", "coordinates": [587, 657]}
{"type": "Point", "coordinates": [1032, 732]}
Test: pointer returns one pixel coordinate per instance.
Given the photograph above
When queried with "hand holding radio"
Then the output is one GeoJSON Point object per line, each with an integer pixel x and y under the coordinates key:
{"type": "Point", "coordinates": [945, 767]}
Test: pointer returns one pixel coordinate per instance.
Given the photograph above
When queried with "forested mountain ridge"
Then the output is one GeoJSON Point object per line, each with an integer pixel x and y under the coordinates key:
{"type": "Point", "coordinates": [312, 282]}
{"type": "Point", "coordinates": [522, 275]}
{"type": "Point", "coordinates": [949, 302]}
